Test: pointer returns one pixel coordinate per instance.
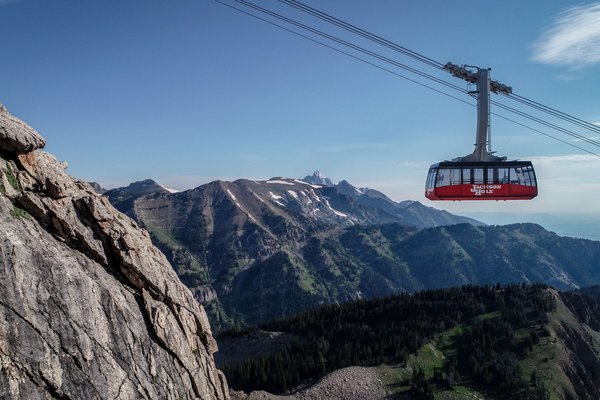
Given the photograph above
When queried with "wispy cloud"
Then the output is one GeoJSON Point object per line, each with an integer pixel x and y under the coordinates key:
{"type": "Point", "coordinates": [566, 78]}
{"type": "Point", "coordinates": [412, 164]}
{"type": "Point", "coordinates": [577, 169]}
{"type": "Point", "coordinates": [573, 40]}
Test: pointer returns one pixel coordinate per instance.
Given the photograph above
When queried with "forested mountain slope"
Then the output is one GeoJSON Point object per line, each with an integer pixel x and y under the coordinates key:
{"type": "Point", "coordinates": [254, 250]}
{"type": "Point", "coordinates": [499, 342]}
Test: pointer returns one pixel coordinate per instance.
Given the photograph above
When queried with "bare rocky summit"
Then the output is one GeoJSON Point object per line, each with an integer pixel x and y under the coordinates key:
{"type": "Point", "coordinates": [89, 308]}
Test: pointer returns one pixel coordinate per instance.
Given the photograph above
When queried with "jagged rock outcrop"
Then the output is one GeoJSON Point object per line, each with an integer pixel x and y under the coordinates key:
{"type": "Point", "coordinates": [16, 135]}
{"type": "Point", "coordinates": [89, 308]}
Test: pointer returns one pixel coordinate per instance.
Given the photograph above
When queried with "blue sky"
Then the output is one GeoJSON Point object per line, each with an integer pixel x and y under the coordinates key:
{"type": "Point", "coordinates": [190, 91]}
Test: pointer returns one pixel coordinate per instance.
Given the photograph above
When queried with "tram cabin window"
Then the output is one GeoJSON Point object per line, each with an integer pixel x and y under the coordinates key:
{"type": "Point", "coordinates": [502, 175]}
{"type": "Point", "coordinates": [448, 177]}
{"type": "Point", "coordinates": [443, 177]}
{"type": "Point", "coordinates": [529, 176]}
{"type": "Point", "coordinates": [455, 176]}
{"type": "Point", "coordinates": [516, 176]}
{"type": "Point", "coordinates": [430, 178]}
{"type": "Point", "coordinates": [478, 176]}
{"type": "Point", "coordinates": [466, 176]}
{"type": "Point", "coordinates": [490, 176]}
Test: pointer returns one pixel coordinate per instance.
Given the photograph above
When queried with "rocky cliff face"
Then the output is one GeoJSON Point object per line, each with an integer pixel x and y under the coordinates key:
{"type": "Point", "coordinates": [89, 308]}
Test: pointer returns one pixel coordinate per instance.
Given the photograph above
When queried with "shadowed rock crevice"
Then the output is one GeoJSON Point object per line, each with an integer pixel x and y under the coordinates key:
{"type": "Point", "coordinates": [93, 309]}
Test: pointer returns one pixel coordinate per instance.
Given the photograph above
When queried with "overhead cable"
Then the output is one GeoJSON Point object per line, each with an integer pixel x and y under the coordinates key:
{"type": "Point", "coordinates": [420, 57]}
{"type": "Point", "coordinates": [556, 113]}
{"type": "Point", "coordinates": [548, 124]}
{"type": "Point", "coordinates": [347, 54]}
{"type": "Point", "coordinates": [361, 32]}
{"type": "Point", "coordinates": [414, 55]}
{"type": "Point", "coordinates": [350, 45]}
{"type": "Point", "coordinates": [545, 134]}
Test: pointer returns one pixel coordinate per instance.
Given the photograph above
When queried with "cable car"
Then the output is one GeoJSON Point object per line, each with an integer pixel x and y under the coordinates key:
{"type": "Point", "coordinates": [492, 180]}
{"type": "Point", "coordinates": [481, 175]}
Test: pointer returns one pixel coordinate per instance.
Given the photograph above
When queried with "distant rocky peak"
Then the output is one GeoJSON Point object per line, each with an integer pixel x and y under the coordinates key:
{"type": "Point", "coordinates": [317, 178]}
{"type": "Point", "coordinates": [348, 189]}
{"type": "Point", "coordinates": [97, 187]}
{"type": "Point", "coordinates": [138, 188]}
{"type": "Point", "coordinates": [146, 183]}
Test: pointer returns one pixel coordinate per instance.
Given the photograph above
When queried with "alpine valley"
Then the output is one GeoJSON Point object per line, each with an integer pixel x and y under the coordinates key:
{"type": "Point", "coordinates": [251, 250]}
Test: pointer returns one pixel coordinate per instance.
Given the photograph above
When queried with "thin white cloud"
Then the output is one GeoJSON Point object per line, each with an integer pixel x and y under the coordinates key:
{"type": "Point", "coordinates": [412, 164]}
{"type": "Point", "coordinates": [573, 40]}
{"type": "Point", "coordinates": [566, 78]}
{"type": "Point", "coordinates": [578, 169]}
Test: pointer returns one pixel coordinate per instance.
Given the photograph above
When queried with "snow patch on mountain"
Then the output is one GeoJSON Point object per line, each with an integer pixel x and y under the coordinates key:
{"type": "Point", "coordinates": [231, 194]}
{"type": "Point", "coordinates": [258, 197]}
{"type": "Point", "coordinates": [336, 212]}
{"type": "Point", "coordinates": [275, 196]}
{"type": "Point", "coordinates": [308, 184]}
{"type": "Point", "coordinates": [276, 199]}
{"type": "Point", "coordinates": [308, 200]}
{"type": "Point", "coordinates": [237, 203]}
{"type": "Point", "coordinates": [169, 189]}
{"type": "Point", "coordinates": [314, 196]}
{"type": "Point", "coordinates": [280, 182]}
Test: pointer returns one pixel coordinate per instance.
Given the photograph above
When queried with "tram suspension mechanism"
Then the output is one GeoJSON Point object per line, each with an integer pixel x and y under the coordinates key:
{"type": "Point", "coordinates": [481, 175]}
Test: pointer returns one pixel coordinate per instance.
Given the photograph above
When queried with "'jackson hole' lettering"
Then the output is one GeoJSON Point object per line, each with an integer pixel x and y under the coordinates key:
{"type": "Point", "coordinates": [479, 190]}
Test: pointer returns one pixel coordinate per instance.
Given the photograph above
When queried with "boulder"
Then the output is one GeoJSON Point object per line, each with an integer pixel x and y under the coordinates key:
{"type": "Point", "coordinates": [16, 135]}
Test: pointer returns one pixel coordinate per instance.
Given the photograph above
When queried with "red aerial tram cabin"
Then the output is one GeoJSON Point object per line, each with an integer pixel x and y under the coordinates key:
{"type": "Point", "coordinates": [500, 180]}
{"type": "Point", "coordinates": [481, 175]}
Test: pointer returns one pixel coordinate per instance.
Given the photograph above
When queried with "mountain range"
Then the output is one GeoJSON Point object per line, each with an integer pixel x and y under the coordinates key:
{"type": "Point", "coordinates": [409, 212]}
{"type": "Point", "coordinates": [254, 250]}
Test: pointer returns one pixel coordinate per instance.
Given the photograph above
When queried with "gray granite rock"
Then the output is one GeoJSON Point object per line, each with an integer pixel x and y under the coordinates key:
{"type": "Point", "coordinates": [16, 135]}
{"type": "Point", "coordinates": [89, 308]}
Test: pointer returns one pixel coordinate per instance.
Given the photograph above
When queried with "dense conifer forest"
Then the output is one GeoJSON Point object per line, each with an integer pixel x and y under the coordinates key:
{"type": "Point", "coordinates": [388, 330]}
